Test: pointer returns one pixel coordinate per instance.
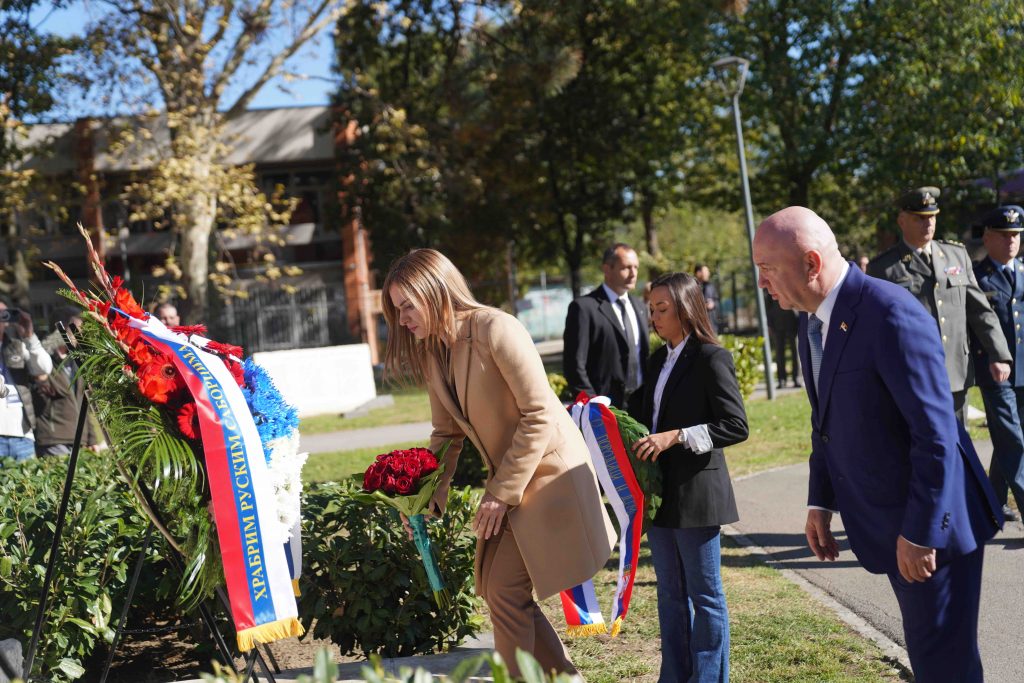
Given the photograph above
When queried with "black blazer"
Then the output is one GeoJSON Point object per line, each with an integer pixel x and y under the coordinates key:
{"type": "Point", "coordinates": [702, 389]}
{"type": "Point", "coordinates": [595, 353]}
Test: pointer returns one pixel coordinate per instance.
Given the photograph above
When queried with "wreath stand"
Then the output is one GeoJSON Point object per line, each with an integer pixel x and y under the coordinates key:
{"type": "Point", "coordinates": [173, 556]}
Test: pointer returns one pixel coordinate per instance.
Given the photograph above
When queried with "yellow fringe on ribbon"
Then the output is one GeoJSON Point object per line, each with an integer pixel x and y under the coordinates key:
{"type": "Point", "coordinates": [268, 633]}
{"type": "Point", "coordinates": [295, 588]}
{"type": "Point", "coordinates": [616, 627]}
{"type": "Point", "coordinates": [584, 630]}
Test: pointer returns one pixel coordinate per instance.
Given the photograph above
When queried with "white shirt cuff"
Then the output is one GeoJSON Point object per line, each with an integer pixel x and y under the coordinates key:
{"type": "Point", "coordinates": [697, 439]}
{"type": "Point", "coordinates": [818, 507]}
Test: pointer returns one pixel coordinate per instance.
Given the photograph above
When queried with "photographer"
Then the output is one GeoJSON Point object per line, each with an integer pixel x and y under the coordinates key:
{"type": "Point", "coordinates": [58, 398]}
{"type": "Point", "coordinates": [22, 361]}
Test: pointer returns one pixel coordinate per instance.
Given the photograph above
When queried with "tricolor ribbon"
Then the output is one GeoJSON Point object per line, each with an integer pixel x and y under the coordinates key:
{"type": "Point", "coordinates": [256, 566]}
{"type": "Point", "coordinates": [615, 474]}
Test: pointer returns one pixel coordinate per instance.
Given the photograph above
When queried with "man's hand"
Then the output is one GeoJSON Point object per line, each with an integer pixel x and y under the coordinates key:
{"type": "Point", "coordinates": [653, 445]}
{"type": "Point", "coordinates": [819, 535]}
{"type": "Point", "coordinates": [25, 329]}
{"type": "Point", "coordinates": [1000, 371]}
{"type": "Point", "coordinates": [489, 517]}
{"type": "Point", "coordinates": [915, 563]}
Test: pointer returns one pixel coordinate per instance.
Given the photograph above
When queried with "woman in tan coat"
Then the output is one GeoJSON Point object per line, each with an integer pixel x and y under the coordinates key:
{"type": "Point", "coordinates": [541, 525]}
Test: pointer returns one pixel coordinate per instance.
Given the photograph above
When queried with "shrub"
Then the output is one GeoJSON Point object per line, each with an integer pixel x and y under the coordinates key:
{"type": "Point", "coordinates": [326, 671]}
{"type": "Point", "coordinates": [560, 385]}
{"type": "Point", "coordinates": [98, 547]}
{"type": "Point", "coordinates": [363, 582]}
{"type": "Point", "coordinates": [747, 355]}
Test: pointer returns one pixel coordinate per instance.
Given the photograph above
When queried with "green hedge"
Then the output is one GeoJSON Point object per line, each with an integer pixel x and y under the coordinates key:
{"type": "Point", "coordinates": [364, 586]}
{"type": "Point", "coordinates": [355, 557]}
{"type": "Point", "coordinates": [100, 542]}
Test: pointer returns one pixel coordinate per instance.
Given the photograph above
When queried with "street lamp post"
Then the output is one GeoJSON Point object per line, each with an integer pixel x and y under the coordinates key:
{"type": "Point", "coordinates": [732, 73]}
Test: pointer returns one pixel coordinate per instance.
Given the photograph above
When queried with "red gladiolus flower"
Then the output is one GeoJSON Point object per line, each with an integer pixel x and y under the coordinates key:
{"type": "Point", "coordinates": [124, 300]}
{"type": "Point", "coordinates": [188, 420]}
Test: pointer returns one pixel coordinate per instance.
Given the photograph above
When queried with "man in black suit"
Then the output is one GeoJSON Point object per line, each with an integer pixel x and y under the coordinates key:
{"type": "Point", "coordinates": [605, 339]}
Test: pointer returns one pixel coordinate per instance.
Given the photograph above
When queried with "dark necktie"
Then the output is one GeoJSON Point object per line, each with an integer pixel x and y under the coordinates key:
{"type": "Point", "coordinates": [814, 324]}
{"type": "Point", "coordinates": [632, 374]}
{"type": "Point", "coordinates": [1008, 274]}
{"type": "Point", "coordinates": [927, 258]}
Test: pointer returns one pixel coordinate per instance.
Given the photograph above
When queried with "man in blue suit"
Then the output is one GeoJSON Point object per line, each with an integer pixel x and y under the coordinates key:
{"type": "Point", "coordinates": [1001, 277]}
{"type": "Point", "coordinates": [886, 450]}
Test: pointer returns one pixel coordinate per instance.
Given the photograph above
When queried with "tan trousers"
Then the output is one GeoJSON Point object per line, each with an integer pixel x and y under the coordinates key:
{"type": "Point", "coordinates": [517, 618]}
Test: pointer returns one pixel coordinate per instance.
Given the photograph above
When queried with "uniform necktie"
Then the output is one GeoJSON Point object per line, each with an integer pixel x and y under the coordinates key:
{"type": "Point", "coordinates": [632, 374]}
{"type": "Point", "coordinates": [927, 258]}
{"type": "Point", "coordinates": [1009, 275]}
{"type": "Point", "coordinates": [814, 324]}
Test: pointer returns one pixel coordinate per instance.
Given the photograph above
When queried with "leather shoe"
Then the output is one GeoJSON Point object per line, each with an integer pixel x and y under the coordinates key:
{"type": "Point", "coordinates": [1010, 515]}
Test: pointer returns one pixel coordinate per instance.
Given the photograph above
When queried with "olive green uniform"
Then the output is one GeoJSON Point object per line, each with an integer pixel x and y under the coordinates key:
{"type": "Point", "coordinates": [948, 289]}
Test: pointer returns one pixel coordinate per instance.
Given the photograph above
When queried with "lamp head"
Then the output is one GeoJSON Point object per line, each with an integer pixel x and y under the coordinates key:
{"type": "Point", "coordinates": [731, 73]}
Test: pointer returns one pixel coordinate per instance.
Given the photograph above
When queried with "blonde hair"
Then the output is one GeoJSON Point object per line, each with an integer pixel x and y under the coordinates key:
{"type": "Point", "coordinates": [439, 291]}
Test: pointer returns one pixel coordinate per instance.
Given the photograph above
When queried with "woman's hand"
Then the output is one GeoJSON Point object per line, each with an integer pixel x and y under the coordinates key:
{"type": "Point", "coordinates": [653, 445]}
{"type": "Point", "coordinates": [489, 517]}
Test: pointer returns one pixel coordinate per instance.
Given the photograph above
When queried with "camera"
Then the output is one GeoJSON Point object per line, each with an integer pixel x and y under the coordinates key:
{"type": "Point", "coordinates": [8, 315]}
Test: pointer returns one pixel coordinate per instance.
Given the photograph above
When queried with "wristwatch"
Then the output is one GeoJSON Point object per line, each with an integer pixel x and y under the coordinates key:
{"type": "Point", "coordinates": [681, 436]}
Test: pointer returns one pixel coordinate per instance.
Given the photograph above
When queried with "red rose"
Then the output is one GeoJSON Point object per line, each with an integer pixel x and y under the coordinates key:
{"type": "Point", "coordinates": [411, 468]}
{"type": "Point", "coordinates": [404, 485]}
{"type": "Point", "coordinates": [389, 485]}
{"type": "Point", "coordinates": [188, 420]}
{"type": "Point", "coordinates": [371, 480]}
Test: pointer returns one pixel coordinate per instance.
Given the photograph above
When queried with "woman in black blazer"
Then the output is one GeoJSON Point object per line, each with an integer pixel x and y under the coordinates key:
{"type": "Point", "coordinates": [693, 407]}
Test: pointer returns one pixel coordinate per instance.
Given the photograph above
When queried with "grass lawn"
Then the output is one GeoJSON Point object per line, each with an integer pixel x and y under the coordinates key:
{"type": "Point", "coordinates": [778, 633]}
{"type": "Point", "coordinates": [780, 434]}
{"type": "Point", "coordinates": [341, 464]}
{"type": "Point", "coordinates": [411, 405]}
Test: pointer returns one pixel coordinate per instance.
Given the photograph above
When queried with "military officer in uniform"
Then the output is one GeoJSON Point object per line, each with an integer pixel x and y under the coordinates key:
{"type": "Point", "coordinates": [940, 275]}
{"type": "Point", "coordinates": [1001, 277]}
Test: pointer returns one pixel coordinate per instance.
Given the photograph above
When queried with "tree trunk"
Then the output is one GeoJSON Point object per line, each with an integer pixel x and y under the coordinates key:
{"type": "Point", "coordinates": [650, 229]}
{"type": "Point", "coordinates": [198, 213]}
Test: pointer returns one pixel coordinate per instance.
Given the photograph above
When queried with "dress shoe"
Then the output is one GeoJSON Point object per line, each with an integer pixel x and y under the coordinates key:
{"type": "Point", "coordinates": [1010, 515]}
{"type": "Point", "coordinates": [796, 383]}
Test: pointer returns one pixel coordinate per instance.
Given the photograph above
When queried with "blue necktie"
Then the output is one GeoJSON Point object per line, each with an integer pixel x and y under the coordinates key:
{"type": "Point", "coordinates": [1009, 275]}
{"type": "Point", "coordinates": [814, 324]}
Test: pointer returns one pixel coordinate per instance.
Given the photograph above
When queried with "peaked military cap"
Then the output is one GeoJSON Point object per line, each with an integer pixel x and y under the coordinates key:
{"type": "Point", "coordinates": [1008, 218]}
{"type": "Point", "coordinates": [920, 200]}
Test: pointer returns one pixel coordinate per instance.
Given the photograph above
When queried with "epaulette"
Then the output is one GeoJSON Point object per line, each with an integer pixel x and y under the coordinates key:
{"type": "Point", "coordinates": [953, 242]}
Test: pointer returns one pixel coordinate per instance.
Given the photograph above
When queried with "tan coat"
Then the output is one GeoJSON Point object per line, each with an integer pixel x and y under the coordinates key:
{"type": "Point", "coordinates": [536, 458]}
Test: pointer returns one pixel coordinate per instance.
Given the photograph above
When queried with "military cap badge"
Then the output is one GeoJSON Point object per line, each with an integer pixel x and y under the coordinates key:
{"type": "Point", "coordinates": [1011, 215]}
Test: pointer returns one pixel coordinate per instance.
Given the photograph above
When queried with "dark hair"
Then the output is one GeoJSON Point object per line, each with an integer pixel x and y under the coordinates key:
{"type": "Point", "coordinates": [609, 254]}
{"type": "Point", "coordinates": [690, 304]}
{"type": "Point", "coordinates": [698, 266]}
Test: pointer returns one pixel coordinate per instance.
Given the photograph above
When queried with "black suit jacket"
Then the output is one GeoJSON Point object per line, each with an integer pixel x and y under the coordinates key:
{"type": "Point", "coordinates": [702, 389]}
{"type": "Point", "coordinates": [595, 353]}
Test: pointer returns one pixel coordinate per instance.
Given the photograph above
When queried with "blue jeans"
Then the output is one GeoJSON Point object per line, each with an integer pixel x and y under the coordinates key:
{"type": "Point", "coordinates": [17, 447]}
{"type": "Point", "coordinates": [692, 614]}
{"type": "Point", "coordinates": [1004, 406]}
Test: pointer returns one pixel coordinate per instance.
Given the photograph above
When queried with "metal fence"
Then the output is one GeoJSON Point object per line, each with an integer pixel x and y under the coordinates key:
{"type": "Point", "coordinates": [275, 319]}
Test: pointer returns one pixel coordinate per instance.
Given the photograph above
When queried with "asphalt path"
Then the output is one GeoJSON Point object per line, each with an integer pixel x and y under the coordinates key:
{"type": "Point", "coordinates": [772, 515]}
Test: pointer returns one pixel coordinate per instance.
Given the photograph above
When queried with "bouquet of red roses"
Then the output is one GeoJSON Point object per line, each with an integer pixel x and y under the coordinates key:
{"type": "Point", "coordinates": [406, 480]}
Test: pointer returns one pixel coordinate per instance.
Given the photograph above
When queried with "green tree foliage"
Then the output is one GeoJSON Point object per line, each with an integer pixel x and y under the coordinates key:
{"type": "Point", "coordinates": [544, 124]}
{"type": "Point", "coordinates": [849, 101]}
{"type": "Point", "coordinates": [189, 67]}
{"type": "Point", "coordinates": [32, 73]}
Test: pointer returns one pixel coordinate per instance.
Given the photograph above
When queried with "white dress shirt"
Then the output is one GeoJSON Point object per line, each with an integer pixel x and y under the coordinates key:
{"type": "Point", "coordinates": [633, 323]}
{"type": "Point", "coordinates": [824, 312]}
{"type": "Point", "coordinates": [696, 438]}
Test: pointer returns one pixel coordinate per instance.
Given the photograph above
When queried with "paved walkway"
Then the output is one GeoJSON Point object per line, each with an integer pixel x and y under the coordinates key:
{"type": "Point", "coordinates": [772, 516]}
{"type": "Point", "coordinates": [365, 438]}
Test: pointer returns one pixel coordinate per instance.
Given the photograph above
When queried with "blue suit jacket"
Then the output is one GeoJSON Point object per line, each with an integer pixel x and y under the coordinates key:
{"type": "Point", "coordinates": [1008, 304]}
{"type": "Point", "coordinates": [886, 449]}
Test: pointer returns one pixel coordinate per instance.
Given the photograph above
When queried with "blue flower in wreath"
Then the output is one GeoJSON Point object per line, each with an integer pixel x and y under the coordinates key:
{"type": "Point", "coordinates": [274, 417]}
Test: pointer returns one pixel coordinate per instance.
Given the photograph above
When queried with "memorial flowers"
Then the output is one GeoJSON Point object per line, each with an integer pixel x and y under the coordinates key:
{"type": "Point", "coordinates": [195, 428]}
{"type": "Point", "coordinates": [406, 480]}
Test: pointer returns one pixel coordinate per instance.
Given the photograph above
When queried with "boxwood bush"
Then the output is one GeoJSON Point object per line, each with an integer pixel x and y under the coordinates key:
{"type": "Point", "coordinates": [363, 585]}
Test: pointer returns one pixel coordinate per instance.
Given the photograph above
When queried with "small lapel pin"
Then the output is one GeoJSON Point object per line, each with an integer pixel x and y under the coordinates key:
{"type": "Point", "coordinates": [843, 327]}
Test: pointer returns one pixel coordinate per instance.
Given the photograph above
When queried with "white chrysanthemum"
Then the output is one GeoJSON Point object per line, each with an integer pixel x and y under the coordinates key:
{"type": "Point", "coordinates": [285, 468]}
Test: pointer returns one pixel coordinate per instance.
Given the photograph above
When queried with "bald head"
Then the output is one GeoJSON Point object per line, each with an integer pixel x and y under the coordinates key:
{"type": "Point", "coordinates": [798, 257]}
